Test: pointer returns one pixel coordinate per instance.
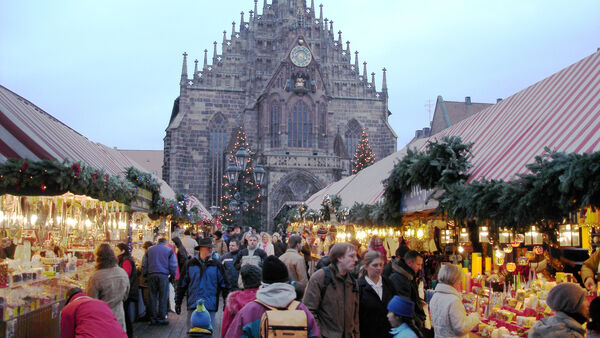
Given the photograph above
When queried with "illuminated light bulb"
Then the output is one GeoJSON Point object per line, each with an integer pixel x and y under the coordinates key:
{"type": "Point", "coordinates": [33, 219]}
{"type": "Point", "coordinates": [88, 223]}
{"type": "Point", "coordinates": [461, 249]}
{"type": "Point", "coordinates": [1, 216]}
{"type": "Point", "coordinates": [420, 234]}
{"type": "Point", "coordinates": [499, 254]}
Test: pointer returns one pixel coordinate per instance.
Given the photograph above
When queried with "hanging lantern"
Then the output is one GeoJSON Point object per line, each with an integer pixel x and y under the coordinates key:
{"type": "Point", "coordinates": [508, 249]}
{"type": "Point", "coordinates": [463, 237]}
{"type": "Point", "coordinates": [533, 237]}
{"type": "Point", "coordinates": [420, 233]}
{"type": "Point", "coordinates": [447, 236]}
{"type": "Point", "coordinates": [499, 253]}
{"type": "Point", "coordinates": [538, 250]}
{"type": "Point", "coordinates": [530, 255]}
{"type": "Point", "coordinates": [511, 267]}
{"type": "Point", "coordinates": [484, 235]}
{"type": "Point", "coordinates": [523, 261]}
{"type": "Point", "coordinates": [505, 236]}
{"type": "Point", "coordinates": [569, 235]}
{"type": "Point", "coordinates": [461, 249]}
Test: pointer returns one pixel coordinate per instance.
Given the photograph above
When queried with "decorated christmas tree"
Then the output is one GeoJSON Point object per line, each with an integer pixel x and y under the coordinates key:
{"type": "Point", "coordinates": [363, 156]}
{"type": "Point", "coordinates": [241, 200]}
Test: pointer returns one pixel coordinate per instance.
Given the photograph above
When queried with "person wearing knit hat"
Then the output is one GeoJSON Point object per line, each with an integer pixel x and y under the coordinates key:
{"type": "Point", "coordinates": [274, 271]}
{"type": "Point", "coordinates": [400, 315]}
{"type": "Point", "coordinates": [275, 292]}
{"type": "Point", "coordinates": [568, 300]}
{"type": "Point", "coordinates": [251, 278]}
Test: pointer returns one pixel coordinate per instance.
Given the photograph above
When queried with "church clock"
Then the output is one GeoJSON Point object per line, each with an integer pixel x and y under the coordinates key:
{"type": "Point", "coordinates": [300, 56]}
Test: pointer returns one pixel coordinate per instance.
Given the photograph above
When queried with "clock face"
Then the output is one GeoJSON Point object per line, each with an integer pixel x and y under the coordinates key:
{"type": "Point", "coordinates": [300, 56]}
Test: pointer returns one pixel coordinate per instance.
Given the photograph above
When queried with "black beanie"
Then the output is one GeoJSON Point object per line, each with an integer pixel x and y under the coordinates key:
{"type": "Point", "coordinates": [274, 271]}
{"type": "Point", "coordinates": [251, 276]}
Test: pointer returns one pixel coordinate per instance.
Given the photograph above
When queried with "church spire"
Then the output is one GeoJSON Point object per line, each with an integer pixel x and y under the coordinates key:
{"type": "Point", "coordinates": [264, 6]}
{"type": "Point", "coordinates": [356, 61]}
{"type": "Point", "coordinates": [321, 15]}
{"type": "Point", "coordinates": [214, 62]}
{"type": "Point", "coordinates": [373, 80]}
{"type": "Point", "coordinates": [195, 67]}
{"type": "Point", "coordinates": [365, 71]}
{"type": "Point", "coordinates": [205, 59]}
{"type": "Point", "coordinates": [184, 74]}
{"type": "Point", "coordinates": [340, 38]}
{"type": "Point", "coordinates": [331, 28]}
{"type": "Point", "coordinates": [251, 20]}
{"type": "Point", "coordinates": [233, 29]}
{"type": "Point", "coordinates": [256, 8]}
{"type": "Point", "coordinates": [224, 37]}
{"type": "Point", "coordinates": [326, 20]}
{"type": "Point", "coordinates": [384, 82]}
{"type": "Point", "coordinates": [241, 20]}
{"type": "Point", "coordinates": [312, 6]}
{"type": "Point", "coordinates": [348, 47]}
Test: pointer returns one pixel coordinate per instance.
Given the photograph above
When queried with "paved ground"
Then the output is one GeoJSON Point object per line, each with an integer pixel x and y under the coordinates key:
{"type": "Point", "coordinates": [177, 326]}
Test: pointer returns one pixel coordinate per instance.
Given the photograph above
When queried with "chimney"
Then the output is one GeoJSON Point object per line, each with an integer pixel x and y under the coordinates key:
{"type": "Point", "coordinates": [468, 100]}
{"type": "Point", "coordinates": [498, 100]}
{"type": "Point", "coordinates": [419, 133]}
{"type": "Point", "coordinates": [426, 131]}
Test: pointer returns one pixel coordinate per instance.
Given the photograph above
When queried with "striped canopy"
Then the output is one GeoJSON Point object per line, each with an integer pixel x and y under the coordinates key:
{"type": "Point", "coordinates": [28, 132]}
{"type": "Point", "coordinates": [561, 112]}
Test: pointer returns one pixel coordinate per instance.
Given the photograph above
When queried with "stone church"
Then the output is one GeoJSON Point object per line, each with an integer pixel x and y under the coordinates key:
{"type": "Point", "coordinates": [298, 91]}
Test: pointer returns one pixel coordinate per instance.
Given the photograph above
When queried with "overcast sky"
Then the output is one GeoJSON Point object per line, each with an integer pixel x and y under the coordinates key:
{"type": "Point", "coordinates": [111, 69]}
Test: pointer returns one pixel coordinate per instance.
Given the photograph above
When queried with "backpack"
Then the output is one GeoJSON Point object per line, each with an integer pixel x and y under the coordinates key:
{"type": "Point", "coordinates": [289, 322]}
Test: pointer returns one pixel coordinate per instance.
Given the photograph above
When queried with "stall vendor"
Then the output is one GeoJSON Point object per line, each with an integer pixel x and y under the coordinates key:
{"type": "Point", "coordinates": [589, 269]}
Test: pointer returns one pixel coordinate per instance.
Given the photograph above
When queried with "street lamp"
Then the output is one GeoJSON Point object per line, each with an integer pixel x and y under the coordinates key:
{"type": "Point", "coordinates": [237, 165]}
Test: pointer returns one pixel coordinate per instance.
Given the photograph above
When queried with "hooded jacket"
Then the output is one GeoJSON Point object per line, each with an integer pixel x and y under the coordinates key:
{"type": "Point", "coordinates": [337, 312]}
{"type": "Point", "coordinates": [404, 280]}
{"type": "Point", "coordinates": [85, 316]}
{"type": "Point", "coordinates": [247, 322]}
{"type": "Point", "coordinates": [201, 279]}
{"type": "Point", "coordinates": [448, 313]}
{"type": "Point", "coordinates": [235, 302]}
{"type": "Point", "coordinates": [559, 325]}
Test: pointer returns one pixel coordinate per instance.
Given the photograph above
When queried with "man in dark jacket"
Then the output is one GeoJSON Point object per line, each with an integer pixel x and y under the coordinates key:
{"type": "Point", "coordinates": [231, 273]}
{"type": "Point", "coordinates": [159, 262]}
{"type": "Point", "coordinates": [251, 250]}
{"type": "Point", "coordinates": [404, 279]}
{"type": "Point", "coordinates": [203, 277]}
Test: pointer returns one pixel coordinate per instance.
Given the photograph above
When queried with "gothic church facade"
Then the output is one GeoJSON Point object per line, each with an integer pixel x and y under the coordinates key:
{"type": "Point", "coordinates": [292, 83]}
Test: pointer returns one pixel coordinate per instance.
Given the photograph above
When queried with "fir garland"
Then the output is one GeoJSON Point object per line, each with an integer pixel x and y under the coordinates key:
{"type": "Point", "coordinates": [50, 177]}
{"type": "Point", "coordinates": [442, 165]}
{"type": "Point", "coordinates": [557, 185]}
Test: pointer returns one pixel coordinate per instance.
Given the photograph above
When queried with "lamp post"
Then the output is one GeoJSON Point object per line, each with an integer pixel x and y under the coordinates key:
{"type": "Point", "coordinates": [237, 165]}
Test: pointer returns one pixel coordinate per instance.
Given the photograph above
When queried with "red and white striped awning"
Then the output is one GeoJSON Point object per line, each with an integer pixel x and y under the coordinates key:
{"type": "Point", "coordinates": [28, 132]}
{"type": "Point", "coordinates": [561, 112]}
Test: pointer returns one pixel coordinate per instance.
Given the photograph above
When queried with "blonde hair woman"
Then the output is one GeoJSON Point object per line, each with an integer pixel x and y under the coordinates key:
{"type": "Point", "coordinates": [266, 244]}
{"type": "Point", "coordinates": [447, 311]}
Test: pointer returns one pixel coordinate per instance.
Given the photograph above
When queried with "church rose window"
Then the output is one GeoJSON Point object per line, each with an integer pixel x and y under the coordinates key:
{"type": "Point", "coordinates": [274, 127]}
{"type": "Point", "coordinates": [216, 149]}
{"type": "Point", "coordinates": [352, 136]}
{"type": "Point", "coordinates": [300, 127]}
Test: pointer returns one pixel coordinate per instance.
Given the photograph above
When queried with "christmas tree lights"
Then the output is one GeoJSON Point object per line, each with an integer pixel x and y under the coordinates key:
{"type": "Point", "coordinates": [363, 156]}
{"type": "Point", "coordinates": [244, 191]}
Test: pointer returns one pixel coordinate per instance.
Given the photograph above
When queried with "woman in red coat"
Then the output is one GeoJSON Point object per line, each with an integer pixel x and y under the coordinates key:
{"type": "Point", "coordinates": [84, 316]}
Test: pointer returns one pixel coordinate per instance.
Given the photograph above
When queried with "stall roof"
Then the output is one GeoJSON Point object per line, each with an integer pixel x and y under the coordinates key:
{"type": "Point", "coordinates": [561, 112]}
{"type": "Point", "coordinates": [26, 131]}
{"type": "Point", "coordinates": [364, 187]}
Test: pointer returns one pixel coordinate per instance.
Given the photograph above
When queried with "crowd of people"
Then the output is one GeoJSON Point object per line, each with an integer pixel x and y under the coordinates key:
{"type": "Point", "coordinates": [349, 293]}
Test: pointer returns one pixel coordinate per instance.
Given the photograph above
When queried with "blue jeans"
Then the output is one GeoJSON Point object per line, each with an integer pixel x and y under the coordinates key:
{"type": "Point", "coordinates": [158, 286]}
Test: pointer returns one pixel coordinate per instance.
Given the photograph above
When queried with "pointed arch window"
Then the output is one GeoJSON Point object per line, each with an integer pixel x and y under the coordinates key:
{"type": "Point", "coordinates": [352, 136]}
{"type": "Point", "coordinates": [300, 127]}
{"type": "Point", "coordinates": [274, 126]}
{"type": "Point", "coordinates": [216, 154]}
